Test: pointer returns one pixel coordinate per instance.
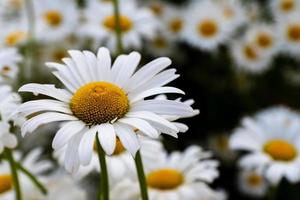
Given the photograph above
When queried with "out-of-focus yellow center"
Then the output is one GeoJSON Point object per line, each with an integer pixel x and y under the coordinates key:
{"type": "Point", "coordinates": [287, 5]}
{"type": "Point", "coordinates": [228, 12]}
{"type": "Point", "coordinates": [5, 70]}
{"type": "Point", "coordinates": [157, 8]}
{"type": "Point", "coordinates": [222, 142]}
{"type": "Point", "coordinates": [160, 42]}
{"type": "Point", "coordinates": [119, 147]}
{"type": "Point", "coordinates": [280, 150]}
{"type": "Point", "coordinates": [15, 37]}
{"type": "Point", "coordinates": [6, 183]}
{"type": "Point", "coordinates": [53, 18]}
{"type": "Point", "coordinates": [125, 23]}
{"type": "Point", "coordinates": [99, 102]}
{"type": "Point", "coordinates": [264, 40]}
{"type": "Point", "coordinates": [176, 25]}
{"type": "Point", "coordinates": [165, 179]}
{"type": "Point", "coordinates": [254, 179]}
{"type": "Point", "coordinates": [293, 33]}
{"type": "Point", "coordinates": [250, 52]}
{"type": "Point", "coordinates": [59, 54]}
{"type": "Point", "coordinates": [208, 28]}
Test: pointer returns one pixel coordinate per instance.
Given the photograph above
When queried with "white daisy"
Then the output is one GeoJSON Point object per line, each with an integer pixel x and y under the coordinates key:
{"type": "Point", "coordinates": [249, 58]}
{"type": "Point", "coordinates": [157, 7]}
{"type": "Point", "coordinates": [7, 139]}
{"type": "Point", "coordinates": [106, 99]}
{"type": "Point", "coordinates": [252, 183]}
{"type": "Point", "coordinates": [14, 34]}
{"type": "Point", "coordinates": [205, 25]}
{"type": "Point", "coordinates": [136, 24]}
{"type": "Point", "coordinates": [55, 19]}
{"type": "Point", "coordinates": [172, 177]}
{"type": "Point", "coordinates": [289, 30]}
{"type": "Point", "coordinates": [283, 8]}
{"type": "Point", "coordinates": [9, 59]}
{"type": "Point", "coordinates": [273, 142]}
{"type": "Point", "coordinates": [161, 45]}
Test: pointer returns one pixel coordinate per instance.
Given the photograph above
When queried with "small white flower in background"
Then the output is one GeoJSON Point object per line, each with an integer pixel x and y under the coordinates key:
{"type": "Point", "coordinates": [289, 30]}
{"type": "Point", "coordinates": [120, 162]}
{"type": "Point", "coordinates": [264, 37]}
{"type": "Point", "coordinates": [105, 98]}
{"type": "Point", "coordinates": [248, 58]}
{"type": "Point", "coordinates": [11, 8]}
{"type": "Point", "coordinates": [179, 175]}
{"type": "Point", "coordinates": [136, 24]}
{"type": "Point", "coordinates": [205, 26]}
{"type": "Point", "coordinates": [283, 8]}
{"type": "Point", "coordinates": [272, 139]}
{"type": "Point", "coordinates": [9, 59]}
{"type": "Point", "coordinates": [7, 139]}
{"type": "Point", "coordinates": [157, 7]}
{"type": "Point", "coordinates": [161, 45]}
{"type": "Point", "coordinates": [55, 19]}
{"type": "Point", "coordinates": [252, 183]}
{"type": "Point", "coordinates": [32, 162]}
{"type": "Point", "coordinates": [14, 34]}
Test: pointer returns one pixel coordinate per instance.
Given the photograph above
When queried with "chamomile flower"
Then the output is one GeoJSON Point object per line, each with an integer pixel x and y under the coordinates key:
{"type": "Point", "coordinates": [9, 59]}
{"type": "Point", "coordinates": [7, 139]}
{"type": "Point", "coordinates": [289, 30]}
{"type": "Point", "coordinates": [157, 7]}
{"type": "Point", "coordinates": [104, 99]}
{"type": "Point", "coordinates": [161, 45]}
{"type": "Point", "coordinates": [205, 26]}
{"type": "Point", "coordinates": [249, 58]}
{"type": "Point", "coordinates": [135, 23]}
{"type": "Point", "coordinates": [175, 176]}
{"type": "Point", "coordinates": [55, 19]}
{"type": "Point", "coordinates": [252, 183]}
{"type": "Point", "coordinates": [14, 34]}
{"type": "Point", "coordinates": [272, 140]}
{"type": "Point", "coordinates": [283, 8]}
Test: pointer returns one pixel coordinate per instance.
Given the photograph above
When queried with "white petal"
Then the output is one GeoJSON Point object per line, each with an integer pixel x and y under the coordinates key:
{"type": "Point", "coordinates": [141, 125]}
{"type": "Point", "coordinates": [104, 64]}
{"type": "Point", "coordinates": [86, 146]}
{"type": "Point", "coordinates": [74, 71]}
{"type": "Point", "coordinates": [107, 137]}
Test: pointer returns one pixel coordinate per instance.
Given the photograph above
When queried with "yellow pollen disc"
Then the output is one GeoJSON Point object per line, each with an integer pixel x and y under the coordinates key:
{"type": "Point", "coordinates": [125, 23]}
{"type": "Point", "coordinates": [208, 28]}
{"type": "Point", "coordinates": [6, 183]}
{"type": "Point", "coordinates": [287, 5]}
{"type": "Point", "coordinates": [99, 102]}
{"type": "Point", "coordinates": [254, 180]}
{"type": "Point", "coordinates": [160, 42]}
{"type": "Point", "coordinates": [250, 52]}
{"type": "Point", "coordinates": [165, 179]}
{"type": "Point", "coordinates": [14, 38]}
{"type": "Point", "coordinates": [293, 33]}
{"type": "Point", "coordinates": [264, 40]}
{"type": "Point", "coordinates": [280, 150]}
{"type": "Point", "coordinates": [176, 25]}
{"type": "Point", "coordinates": [53, 18]}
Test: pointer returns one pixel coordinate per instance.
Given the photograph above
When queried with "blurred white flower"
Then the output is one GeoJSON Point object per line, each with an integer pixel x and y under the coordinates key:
{"type": "Point", "coordinates": [9, 59]}
{"type": "Point", "coordinates": [252, 183]}
{"type": "Point", "coordinates": [272, 139]}
{"type": "Point", "coordinates": [14, 34]}
{"type": "Point", "coordinates": [104, 98]}
{"type": "Point", "coordinates": [161, 45]}
{"type": "Point", "coordinates": [283, 8]}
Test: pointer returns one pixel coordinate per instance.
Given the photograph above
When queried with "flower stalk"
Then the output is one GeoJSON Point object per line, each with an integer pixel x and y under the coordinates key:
{"type": "Point", "coordinates": [141, 176]}
{"type": "Point", "coordinates": [118, 27]}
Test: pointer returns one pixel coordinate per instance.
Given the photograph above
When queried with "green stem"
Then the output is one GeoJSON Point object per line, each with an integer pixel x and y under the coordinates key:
{"type": "Point", "coordinates": [38, 184]}
{"type": "Point", "coordinates": [118, 27]}
{"type": "Point", "coordinates": [141, 176]}
{"type": "Point", "coordinates": [272, 193]}
{"type": "Point", "coordinates": [14, 174]}
{"type": "Point", "coordinates": [104, 184]}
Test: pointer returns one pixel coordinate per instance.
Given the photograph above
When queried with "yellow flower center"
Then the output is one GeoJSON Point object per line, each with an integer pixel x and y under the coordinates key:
{"type": "Point", "coordinates": [222, 142]}
{"type": "Point", "coordinates": [165, 179]}
{"type": "Point", "coordinates": [287, 5]}
{"type": "Point", "coordinates": [228, 12]}
{"type": "Point", "coordinates": [53, 18]}
{"type": "Point", "coordinates": [280, 150]}
{"type": "Point", "coordinates": [125, 23]}
{"type": "Point", "coordinates": [250, 52]}
{"type": "Point", "coordinates": [264, 40]}
{"type": "Point", "coordinates": [157, 8]}
{"type": "Point", "coordinates": [293, 33]}
{"type": "Point", "coordinates": [6, 183]}
{"type": "Point", "coordinates": [14, 38]}
{"type": "Point", "coordinates": [5, 70]}
{"type": "Point", "coordinates": [208, 28]}
{"type": "Point", "coordinates": [119, 148]}
{"type": "Point", "coordinates": [160, 42]}
{"type": "Point", "coordinates": [254, 180]}
{"type": "Point", "coordinates": [99, 102]}
{"type": "Point", "coordinates": [176, 25]}
{"type": "Point", "coordinates": [58, 55]}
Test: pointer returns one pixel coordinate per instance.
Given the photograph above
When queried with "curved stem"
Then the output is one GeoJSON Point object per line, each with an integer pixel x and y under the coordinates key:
{"type": "Point", "coordinates": [118, 27]}
{"type": "Point", "coordinates": [14, 174]}
{"type": "Point", "coordinates": [141, 176]}
{"type": "Point", "coordinates": [104, 184]}
{"type": "Point", "coordinates": [32, 178]}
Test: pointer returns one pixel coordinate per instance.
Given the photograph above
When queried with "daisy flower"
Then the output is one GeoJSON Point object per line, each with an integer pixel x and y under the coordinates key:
{"type": "Point", "coordinates": [272, 140]}
{"type": "Point", "coordinates": [55, 19]}
{"type": "Point", "coordinates": [135, 23]}
{"type": "Point", "coordinates": [205, 26]}
{"type": "Point", "coordinates": [7, 139]}
{"type": "Point", "coordinates": [252, 183]}
{"type": "Point", "coordinates": [9, 59]}
{"type": "Point", "coordinates": [283, 8]}
{"type": "Point", "coordinates": [175, 176]}
{"type": "Point", "coordinates": [289, 30]}
{"type": "Point", "coordinates": [160, 45]}
{"type": "Point", "coordinates": [14, 34]}
{"type": "Point", "coordinates": [30, 161]}
{"type": "Point", "coordinates": [249, 58]}
{"type": "Point", "coordinates": [157, 7]}
{"type": "Point", "coordinates": [106, 99]}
